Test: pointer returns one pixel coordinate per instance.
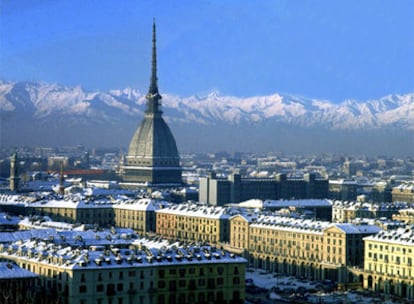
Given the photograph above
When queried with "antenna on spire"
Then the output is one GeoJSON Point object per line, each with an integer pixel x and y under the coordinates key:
{"type": "Point", "coordinates": [153, 95]}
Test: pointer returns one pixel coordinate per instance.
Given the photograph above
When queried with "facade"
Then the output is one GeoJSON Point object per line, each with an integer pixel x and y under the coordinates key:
{"type": "Point", "coordinates": [403, 193]}
{"type": "Point", "coordinates": [405, 215]}
{"type": "Point", "coordinates": [388, 265]}
{"type": "Point", "coordinates": [345, 212]}
{"type": "Point", "coordinates": [18, 286]}
{"type": "Point", "coordinates": [343, 190]}
{"type": "Point", "coordinates": [137, 214]}
{"type": "Point", "coordinates": [235, 189]}
{"type": "Point", "coordinates": [140, 274]}
{"type": "Point", "coordinates": [152, 158]}
{"type": "Point", "coordinates": [76, 211]}
{"type": "Point", "coordinates": [192, 222]}
{"type": "Point", "coordinates": [304, 248]}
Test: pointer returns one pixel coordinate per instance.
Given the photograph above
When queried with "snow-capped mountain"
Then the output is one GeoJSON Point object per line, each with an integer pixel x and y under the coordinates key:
{"type": "Point", "coordinates": [31, 105]}
{"type": "Point", "coordinates": [44, 100]}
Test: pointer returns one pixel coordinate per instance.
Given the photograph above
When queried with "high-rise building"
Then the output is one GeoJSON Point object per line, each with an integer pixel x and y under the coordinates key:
{"type": "Point", "coordinates": [153, 158]}
{"type": "Point", "coordinates": [220, 191]}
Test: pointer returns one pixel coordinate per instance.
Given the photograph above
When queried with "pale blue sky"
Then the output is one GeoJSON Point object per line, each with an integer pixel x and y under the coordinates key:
{"type": "Point", "coordinates": [320, 49]}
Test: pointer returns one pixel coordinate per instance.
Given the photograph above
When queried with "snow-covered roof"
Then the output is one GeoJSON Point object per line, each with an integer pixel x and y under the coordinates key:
{"type": "Point", "coordinates": [291, 224]}
{"type": "Point", "coordinates": [252, 203]}
{"type": "Point", "coordinates": [197, 210]}
{"type": "Point", "coordinates": [71, 203]}
{"type": "Point", "coordinates": [401, 236]}
{"type": "Point", "coordinates": [12, 271]}
{"type": "Point", "coordinates": [147, 253]}
{"type": "Point", "coordinates": [6, 219]}
{"type": "Point", "coordinates": [343, 182]}
{"type": "Point", "coordinates": [357, 229]}
{"type": "Point", "coordinates": [143, 204]}
{"type": "Point", "coordinates": [297, 203]}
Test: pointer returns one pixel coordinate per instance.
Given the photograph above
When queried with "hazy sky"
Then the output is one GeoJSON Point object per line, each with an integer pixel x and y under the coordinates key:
{"type": "Point", "coordinates": [323, 49]}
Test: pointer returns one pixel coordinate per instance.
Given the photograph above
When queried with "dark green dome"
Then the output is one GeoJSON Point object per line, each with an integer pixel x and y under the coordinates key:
{"type": "Point", "coordinates": [154, 139]}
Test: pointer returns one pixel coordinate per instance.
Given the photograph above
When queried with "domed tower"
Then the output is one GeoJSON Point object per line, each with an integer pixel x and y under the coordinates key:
{"type": "Point", "coordinates": [153, 157]}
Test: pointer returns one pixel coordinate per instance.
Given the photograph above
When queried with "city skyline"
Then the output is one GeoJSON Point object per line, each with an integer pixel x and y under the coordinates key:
{"type": "Point", "coordinates": [334, 51]}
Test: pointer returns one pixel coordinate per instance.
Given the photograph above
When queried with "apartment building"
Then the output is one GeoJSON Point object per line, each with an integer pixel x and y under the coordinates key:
{"type": "Point", "coordinates": [138, 274]}
{"type": "Point", "coordinates": [347, 211]}
{"type": "Point", "coordinates": [194, 222]}
{"type": "Point", "coordinates": [137, 214]}
{"type": "Point", "coordinates": [403, 193]}
{"type": "Point", "coordinates": [18, 285]}
{"type": "Point", "coordinates": [405, 215]}
{"type": "Point", "coordinates": [305, 248]}
{"type": "Point", "coordinates": [388, 262]}
{"type": "Point", "coordinates": [343, 189]}
{"type": "Point", "coordinates": [235, 189]}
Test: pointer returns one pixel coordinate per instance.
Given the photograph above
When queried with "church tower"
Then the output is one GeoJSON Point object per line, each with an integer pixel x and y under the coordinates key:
{"type": "Point", "coordinates": [153, 158]}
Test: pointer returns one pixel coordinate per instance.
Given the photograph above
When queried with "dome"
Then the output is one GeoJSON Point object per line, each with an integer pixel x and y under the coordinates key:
{"type": "Point", "coordinates": [153, 139]}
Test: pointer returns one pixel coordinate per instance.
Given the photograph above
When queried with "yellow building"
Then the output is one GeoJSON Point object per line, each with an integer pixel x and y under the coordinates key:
{"type": "Point", "coordinates": [405, 215]}
{"type": "Point", "coordinates": [346, 212]}
{"type": "Point", "coordinates": [304, 248]}
{"type": "Point", "coordinates": [137, 214]}
{"type": "Point", "coordinates": [388, 262]}
{"type": "Point", "coordinates": [193, 222]}
{"type": "Point", "coordinates": [403, 193]}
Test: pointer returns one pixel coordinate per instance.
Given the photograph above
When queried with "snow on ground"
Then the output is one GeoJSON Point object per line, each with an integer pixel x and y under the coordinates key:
{"type": "Point", "coordinates": [280, 287]}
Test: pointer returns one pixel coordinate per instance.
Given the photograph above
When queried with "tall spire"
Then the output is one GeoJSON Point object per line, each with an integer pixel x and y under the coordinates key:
{"type": "Point", "coordinates": [153, 95]}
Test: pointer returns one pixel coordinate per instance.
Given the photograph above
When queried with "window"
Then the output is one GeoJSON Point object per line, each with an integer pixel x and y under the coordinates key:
{"type": "Point", "coordinates": [173, 285]}
{"type": "Point", "coordinates": [131, 273]}
{"type": "Point", "coordinates": [99, 288]}
{"type": "Point", "coordinates": [161, 284]}
{"type": "Point", "coordinates": [211, 283]}
{"type": "Point", "coordinates": [82, 288]}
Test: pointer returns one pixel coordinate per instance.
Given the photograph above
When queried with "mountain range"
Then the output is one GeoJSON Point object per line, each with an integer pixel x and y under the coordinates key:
{"type": "Point", "coordinates": [39, 113]}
